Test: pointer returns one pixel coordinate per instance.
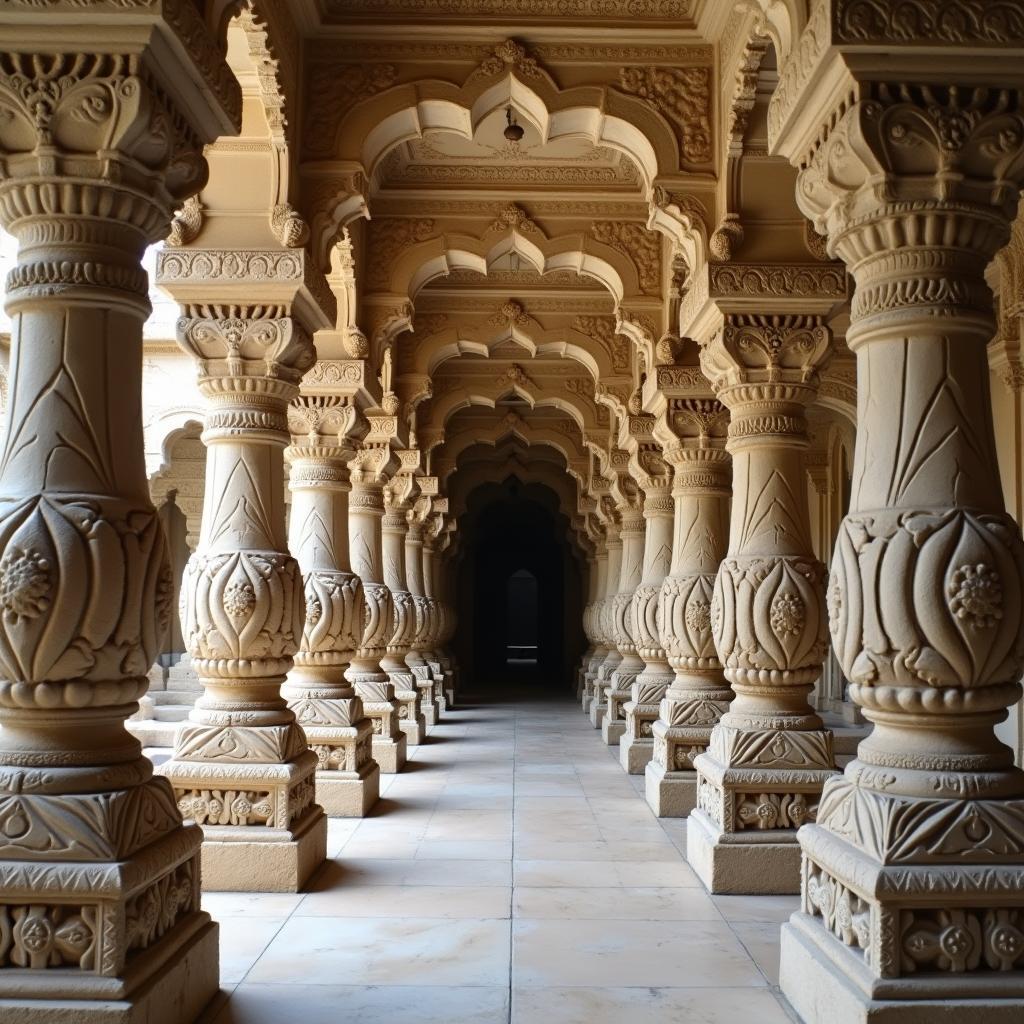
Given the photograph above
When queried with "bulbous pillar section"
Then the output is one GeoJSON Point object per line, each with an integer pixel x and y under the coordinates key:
{"type": "Point", "coordinates": [641, 711]}
{"type": "Point", "coordinates": [913, 874]}
{"type": "Point", "coordinates": [599, 645]}
{"type": "Point", "coordinates": [699, 694]}
{"type": "Point", "coordinates": [599, 704]}
{"type": "Point", "coordinates": [619, 687]}
{"type": "Point", "coordinates": [99, 879]}
{"type": "Point", "coordinates": [770, 754]}
{"type": "Point", "coordinates": [242, 767]}
{"type": "Point", "coordinates": [371, 682]}
{"type": "Point", "coordinates": [394, 526]}
{"type": "Point", "coordinates": [324, 701]}
{"type": "Point", "coordinates": [423, 609]}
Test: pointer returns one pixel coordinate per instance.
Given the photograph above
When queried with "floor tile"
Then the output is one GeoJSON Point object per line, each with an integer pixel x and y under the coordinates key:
{"type": "Point", "coordinates": [386, 951]}
{"type": "Point", "coordinates": [383, 1004]}
{"type": "Point", "coordinates": [666, 954]}
{"type": "Point", "coordinates": [447, 901]}
{"type": "Point", "coordinates": [661, 1005]}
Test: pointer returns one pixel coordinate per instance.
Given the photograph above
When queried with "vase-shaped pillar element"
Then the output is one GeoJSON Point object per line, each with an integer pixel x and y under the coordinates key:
{"type": "Point", "coordinates": [595, 622]}
{"type": "Point", "coordinates": [324, 701]}
{"type": "Point", "coordinates": [599, 703]}
{"type": "Point", "coordinates": [770, 754]}
{"type": "Point", "coordinates": [619, 686]}
{"type": "Point", "coordinates": [371, 682]}
{"type": "Point", "coordinates": [913, 874]}
{"type": "Point", "coordinates": [99, 879]}
{"type": "Point", "coordinates": [699, 694]}
{"type": "Point", "coordinates": [423, 629]}
{"type": "Point", "coordinates": [241, 765]}
{"type": "Point", "coordinates": [636, 746]}
{"type": "Point", "coordinates": [394, 525]}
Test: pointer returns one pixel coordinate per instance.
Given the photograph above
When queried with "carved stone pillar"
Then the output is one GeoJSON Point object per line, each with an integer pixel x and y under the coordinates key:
{"type": "Point", "coordinates": [699, 694]}
{"type": "Point", "coordinates": [424, 611]}
{"type": "Point", "coordinates": [242, 767]}
{"type": "Point", "coordinates": [324, 701]}
{"type": "Point", "coordinates": [599, 704]}
{"type": "Point", "coordinates": [619, 686]}
{"type": "Point", "coordinates": [913, 874]}
{"type": "Point", "coordinates": [770, 754]}
{"type": "Point", "coordinates": [437, 616]}
{"type": "Point", "coordinates": [371, 682]}
{"type": "Point", "coordinates": [599, 584]}
{"type": "Point", "coordinates": [393, 530]}
{"type": "Point", "coordinates": [99, 880]}
{"type": "Point", "coordinates": [641, 711]}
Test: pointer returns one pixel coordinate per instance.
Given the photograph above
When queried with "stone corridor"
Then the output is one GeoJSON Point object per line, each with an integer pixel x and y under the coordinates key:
{"type": "Point", "coordinates": [515, 873]}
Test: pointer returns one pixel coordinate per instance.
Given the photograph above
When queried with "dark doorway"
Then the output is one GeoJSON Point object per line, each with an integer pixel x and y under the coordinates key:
{"type": "Point", "coordinates": [522, 618]}
{"type": "Point", "coordinates": [518, 590]}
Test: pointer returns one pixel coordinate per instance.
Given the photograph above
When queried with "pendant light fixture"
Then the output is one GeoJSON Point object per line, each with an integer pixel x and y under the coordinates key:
{"type": "Point", "coordinates": [514, 132]}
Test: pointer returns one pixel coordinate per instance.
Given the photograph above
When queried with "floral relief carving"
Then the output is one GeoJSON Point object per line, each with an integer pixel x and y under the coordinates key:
{"type": "Point", "coordinates": [40, 935]}
{"type": "Point", "coordinates": [683, 97]}
{"type": "Point", "coordinates": [388, 237]}
{"type": "Point", "coordinates": [641, 246]}
{"type": "Point", "coordinates": [331, 92]}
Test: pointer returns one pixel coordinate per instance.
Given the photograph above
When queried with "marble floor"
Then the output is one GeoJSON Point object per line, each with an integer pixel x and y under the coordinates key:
{"type": "Point", "coordinates": [514, 873]}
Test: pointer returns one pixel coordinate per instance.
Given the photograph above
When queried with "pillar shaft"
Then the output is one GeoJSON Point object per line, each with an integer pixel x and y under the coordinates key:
{"type": "Point", "coordinates": [599, 650]}
{"type": "Point", "coordinates": [641, 710]}
{"type": "Point", "coordinates": [423, 625]}
{"type": "Point", "coordinates": [699, 694]}
{"type": "Point", "coordinates": [769, 755]}
{"type": "Point", "coordinates": [371, 682]}
{"type": "Point", "coordinates": [94, 158]}
{"type": "Point", "coordinates": [323, 700]}
{"type": "Point", "coordinates": [242, 767]}
{"type": "Point", "coordinates": [599, 705]}
{"type": "Point", "coordinates": [913, 874]}
{"type": "Point", "coordinates": [393, 530]}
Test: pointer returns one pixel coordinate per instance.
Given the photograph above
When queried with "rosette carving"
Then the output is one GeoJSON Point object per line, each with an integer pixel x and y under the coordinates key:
{"type": "Point", "coordinates": [684, 611]}
{"type": "Point", "coordinates": [80, 579]}
{"type": "Point", "coordinates": [770, 624]}
{"type": "Point", "coordinates": [242, 605]}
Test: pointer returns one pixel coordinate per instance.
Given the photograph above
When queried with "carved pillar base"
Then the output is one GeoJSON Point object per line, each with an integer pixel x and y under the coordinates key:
{"type": "Point", "coordinates": [388, 742]}
{"type": "Point", "coordinates": [636, 748]}
{"type": "Point", "coordinates": [589, 694]}
{"type": "Point", "coordinates": [130, 964]}
{"type": "Point", "coordinates": [340, 735]}
{"type": "Point", "coordinates": [262, 828]}
{"type": "Point", "coordinates": [885, 942]}
{"type": "Point", "coordinates": [599, 705]}
{"type": "Point", "coordinates": [683, 731]}
{"type": "Point", "coordinates": [751, 799]}
{"type": "Point", "coordinates": [617, 694]}
{"type": "Point", "coordinates": [424, 682]}
{"type": "Point", "coordinates": [407, 698]}
{"type": "Point", "coordinates": [670, 792]}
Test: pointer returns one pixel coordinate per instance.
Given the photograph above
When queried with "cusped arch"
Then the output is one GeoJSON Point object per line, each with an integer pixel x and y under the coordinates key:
{"type": "Point", "coordinates": [488, 393]}
{"type": "Point", "coordinates": [437, 257]}
{"type": "Point", "coordinates": [601, 115]}
{"type": "Point", "coordinates": [450, 342]}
